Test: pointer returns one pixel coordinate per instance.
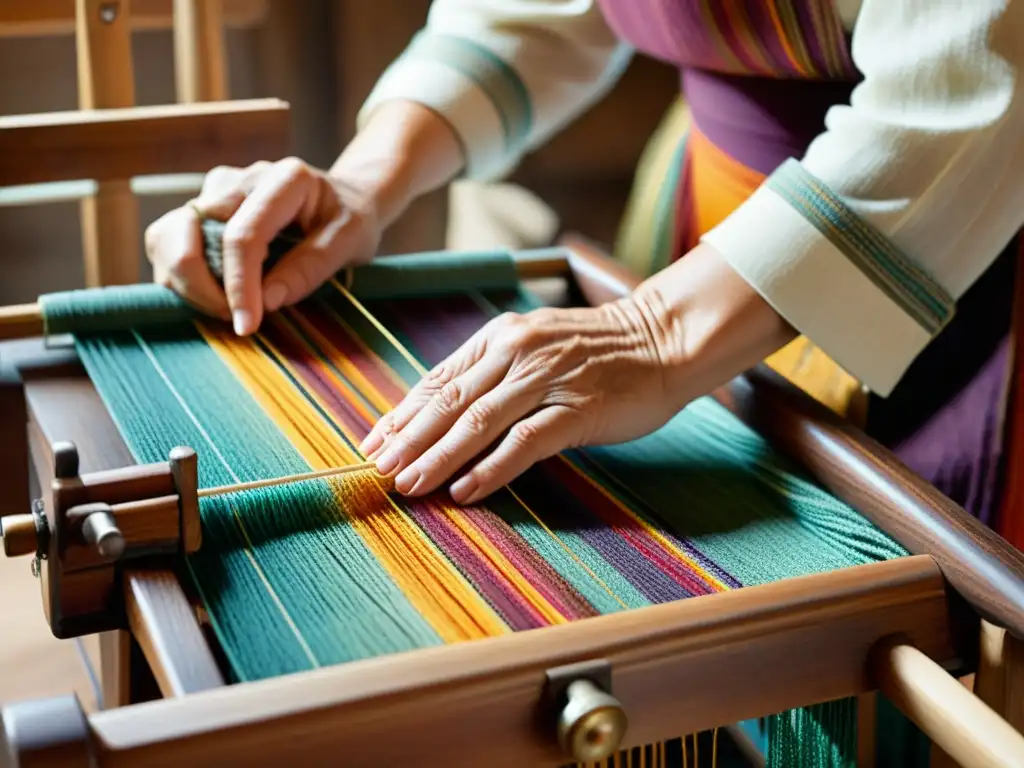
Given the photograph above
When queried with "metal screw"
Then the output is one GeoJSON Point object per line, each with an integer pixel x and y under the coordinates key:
{"type": "Point", "coordinates": [108, 12]}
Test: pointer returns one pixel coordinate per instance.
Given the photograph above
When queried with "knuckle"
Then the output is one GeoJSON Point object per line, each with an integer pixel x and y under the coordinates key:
{"type": "Point", "coordinates": [478, 418]}
{"type": "Point", "coordinates": [219, 174]}
{"type": "Point", "coordinates": [442, 458]}
{"type": "Point", "coordinates": [293, 167]}
{"type": "Point", "coordinates": [239, 238]}
{"type": "Point", "coordinates": [522, 434]}
{"type": "Point", "coordinates": [485, 474]}
{"type": "Point", "coordinates": [449, 397]}
{"type": "Point", "coordinates": [436, 378]}
{"type": "Point", "coordinates": [151, 238]}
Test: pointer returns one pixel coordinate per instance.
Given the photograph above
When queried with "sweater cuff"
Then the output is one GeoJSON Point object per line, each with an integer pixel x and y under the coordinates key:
{"type": "Point", "coordinates": [477, 93]}
{"type": "Point", "coordinates": [833, 276]}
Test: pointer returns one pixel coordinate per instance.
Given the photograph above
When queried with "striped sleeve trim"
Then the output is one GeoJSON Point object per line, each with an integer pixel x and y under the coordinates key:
{"type": "Point", "coordinates": [877, 257]}
{"type": "Point", "coordinates": [491, 74]}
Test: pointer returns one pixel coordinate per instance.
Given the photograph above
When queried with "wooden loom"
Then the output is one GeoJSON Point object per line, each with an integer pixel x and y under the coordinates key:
{"type": "Point", "coordinates": [110, 532]}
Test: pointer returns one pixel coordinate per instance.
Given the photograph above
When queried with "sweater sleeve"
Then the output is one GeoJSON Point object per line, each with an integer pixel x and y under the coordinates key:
{"type": "Point", "coordinates": [505, 74]}
{"type": "Point", "coordinates": [908, 196]}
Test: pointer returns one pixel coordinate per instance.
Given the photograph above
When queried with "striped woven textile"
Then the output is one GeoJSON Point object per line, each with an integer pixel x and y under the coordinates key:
{"type": "Point", "coordinates": [324, 572]}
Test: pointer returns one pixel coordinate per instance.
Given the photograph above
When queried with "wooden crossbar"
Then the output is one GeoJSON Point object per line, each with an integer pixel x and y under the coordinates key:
{"type": "Point", "coordinates": [29, 18]}
{"type": "Point", "coordinates": [123, 143]}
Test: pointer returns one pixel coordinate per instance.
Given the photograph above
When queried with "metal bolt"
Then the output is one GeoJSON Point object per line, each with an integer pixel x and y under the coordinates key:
{"type": "Point", "coordinates": [108, 12]}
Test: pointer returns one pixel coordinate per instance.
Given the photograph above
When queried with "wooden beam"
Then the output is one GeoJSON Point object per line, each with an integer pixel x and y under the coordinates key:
{"type": "Point", "coordinates": [676, 668]}
{"type": "Point", "coordinates": [957, 721]}
{"type": "Point", "coordinates": [31, 18]}
{"type": "Point", "coordinates": [111, 234]}
{"type": "Point", "coordinates": [200, 63]}
{"type": "Point", "coordinates": [165, 626]}
{"type": "Point", "coordinates": [999, 681]}
{"type": "Point", "coordinates": [119, 144]}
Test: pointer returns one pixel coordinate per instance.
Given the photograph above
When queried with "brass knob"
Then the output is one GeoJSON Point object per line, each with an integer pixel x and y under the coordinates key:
{"type": "Point", "coordinates": [592, 723]}
{"type": "Point", "coordinates": [19, 534]}
{"type": "Point", "coordinates": [101, 529]}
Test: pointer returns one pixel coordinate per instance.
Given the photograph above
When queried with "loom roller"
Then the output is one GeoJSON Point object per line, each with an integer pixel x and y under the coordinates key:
{"type": "Point", "coordinates": [407, 276]}
{"type": "Point", "coordinates": [118, 516]}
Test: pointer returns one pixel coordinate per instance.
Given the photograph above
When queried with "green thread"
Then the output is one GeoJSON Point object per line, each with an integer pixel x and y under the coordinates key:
{"type": "Point", "coordinates": [878, 258]}
{"type": "Point", "coordinates": [735, 500]}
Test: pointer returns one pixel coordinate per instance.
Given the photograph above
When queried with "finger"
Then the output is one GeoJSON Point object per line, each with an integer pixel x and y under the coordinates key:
{"type": "Point", "coordinates": [174, 247]}
{"type": "Point", "coordinates": [429, 413]}
{"type": "Point", "coordinates": [531, 440]}
{"type": "Point", "coordinates": [224, 189]}
{"type": "Point", "coordinates": [283, 192]}
{"type": "Point", "coordinates": [378, 437]}
{"type": "Point", "coordinates": [479, 426]}
{"type": "Point", "coordinates": [311, 263]}
{"type": "Point", "coordinates": [467, 399]}
{"type": "Point", "coordinates": [457, 363]}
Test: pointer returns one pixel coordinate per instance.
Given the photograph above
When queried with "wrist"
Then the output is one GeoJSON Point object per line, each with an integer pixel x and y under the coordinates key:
{"type": "Point", "coordinates": [707, 323]}
{"type": "Point", "coordinates": [403, 151]}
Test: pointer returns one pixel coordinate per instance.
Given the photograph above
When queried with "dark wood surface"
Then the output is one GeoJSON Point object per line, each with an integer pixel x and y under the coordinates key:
{"type": "Point", "coordinates": [14, 461]}
{"type": "Point", "coordinates": [165, 627]}
{"type": "Point", "coordinates": [737, 655]}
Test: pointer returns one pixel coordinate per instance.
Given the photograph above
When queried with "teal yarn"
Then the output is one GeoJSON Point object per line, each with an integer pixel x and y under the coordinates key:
{"type": "Point", "coordinates": [100, 310]}
{"type": "Point", "coordinates": [431, 273]}
{"type": "Point", "coordinates": [705, 475]}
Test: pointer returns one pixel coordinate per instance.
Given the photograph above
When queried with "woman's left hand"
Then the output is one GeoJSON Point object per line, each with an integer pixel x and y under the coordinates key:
{"type": "Point", "coordinates": [524, 388]}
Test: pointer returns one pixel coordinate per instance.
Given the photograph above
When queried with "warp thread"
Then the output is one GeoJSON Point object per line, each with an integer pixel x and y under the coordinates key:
{"type": "Point", "coordinates": [334, 571]}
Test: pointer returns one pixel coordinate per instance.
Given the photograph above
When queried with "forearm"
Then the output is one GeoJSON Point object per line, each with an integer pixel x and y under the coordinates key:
{"type": "Point", "coordinates": [707, 323]}
{"type": "Point", "coordinates": [402, 152]}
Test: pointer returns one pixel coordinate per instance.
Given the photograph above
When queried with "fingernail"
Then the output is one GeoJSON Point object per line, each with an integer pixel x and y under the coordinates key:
{"type": "Point", "coordinates": [273, 296]}
{"type": "Point", "coordinates": [243, 322]}
{"type": "Point", "coordinates": [387, 463]}
{"type": "Point", "coordinates": [407, 480]}
{"type": "Point", "coordinates": [462, 490]}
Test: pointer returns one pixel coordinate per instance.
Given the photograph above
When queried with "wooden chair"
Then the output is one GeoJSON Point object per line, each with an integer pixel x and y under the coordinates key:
{"type": "Point", "coordinates": [109, 215]}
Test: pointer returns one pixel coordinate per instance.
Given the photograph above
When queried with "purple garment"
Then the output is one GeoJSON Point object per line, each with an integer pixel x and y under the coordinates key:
{"type": "Point", "coordinates": [759, 79]}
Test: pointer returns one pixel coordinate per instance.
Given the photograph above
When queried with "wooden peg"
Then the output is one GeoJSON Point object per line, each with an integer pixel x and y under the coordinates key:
{"type": "Point", "coordinates": [185, 470]}
{"type": "Point", "coordinates": [19, 535]}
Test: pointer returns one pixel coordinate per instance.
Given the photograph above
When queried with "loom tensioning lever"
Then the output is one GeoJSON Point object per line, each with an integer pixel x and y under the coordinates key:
{"type": "Point", "coordinates": [591, 722]}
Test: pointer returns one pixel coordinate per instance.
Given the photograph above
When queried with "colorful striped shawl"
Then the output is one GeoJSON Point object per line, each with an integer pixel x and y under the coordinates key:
{"type": "Point", "coordinates": [324, 572]}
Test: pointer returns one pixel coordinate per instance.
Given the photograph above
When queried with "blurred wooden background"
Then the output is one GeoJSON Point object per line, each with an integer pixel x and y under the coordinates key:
{"type": "Point", "coordinates": [322, 56]}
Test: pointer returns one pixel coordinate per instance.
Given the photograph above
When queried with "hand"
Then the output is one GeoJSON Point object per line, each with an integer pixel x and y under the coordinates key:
{"type": "Point", "coordinates": [534, 384]}
{"type": "Point", "coordinates": [257, 202]}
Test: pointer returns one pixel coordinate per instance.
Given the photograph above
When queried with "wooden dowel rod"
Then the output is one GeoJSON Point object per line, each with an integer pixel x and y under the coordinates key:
{"type": "Point", "coordinates": [21, 321]}
{"type": "Point", "coordinates": [953, 718]}
{"type": "Point", "coordinates": [367, 466]}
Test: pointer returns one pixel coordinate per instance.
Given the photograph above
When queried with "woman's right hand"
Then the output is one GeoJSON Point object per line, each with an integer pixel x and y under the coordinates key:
{"type": "Point", "coordinates": [403, 151]}
{"type": "Point", "coordinates": [339, 219]}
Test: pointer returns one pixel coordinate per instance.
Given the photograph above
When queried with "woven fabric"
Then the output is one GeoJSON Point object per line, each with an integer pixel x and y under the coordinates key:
{"type": "Point", "coordinates": [323, 572]}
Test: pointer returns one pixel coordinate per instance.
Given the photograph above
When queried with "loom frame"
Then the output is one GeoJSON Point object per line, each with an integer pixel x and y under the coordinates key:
{"type": "Point", "coordinates": [959, 579]}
